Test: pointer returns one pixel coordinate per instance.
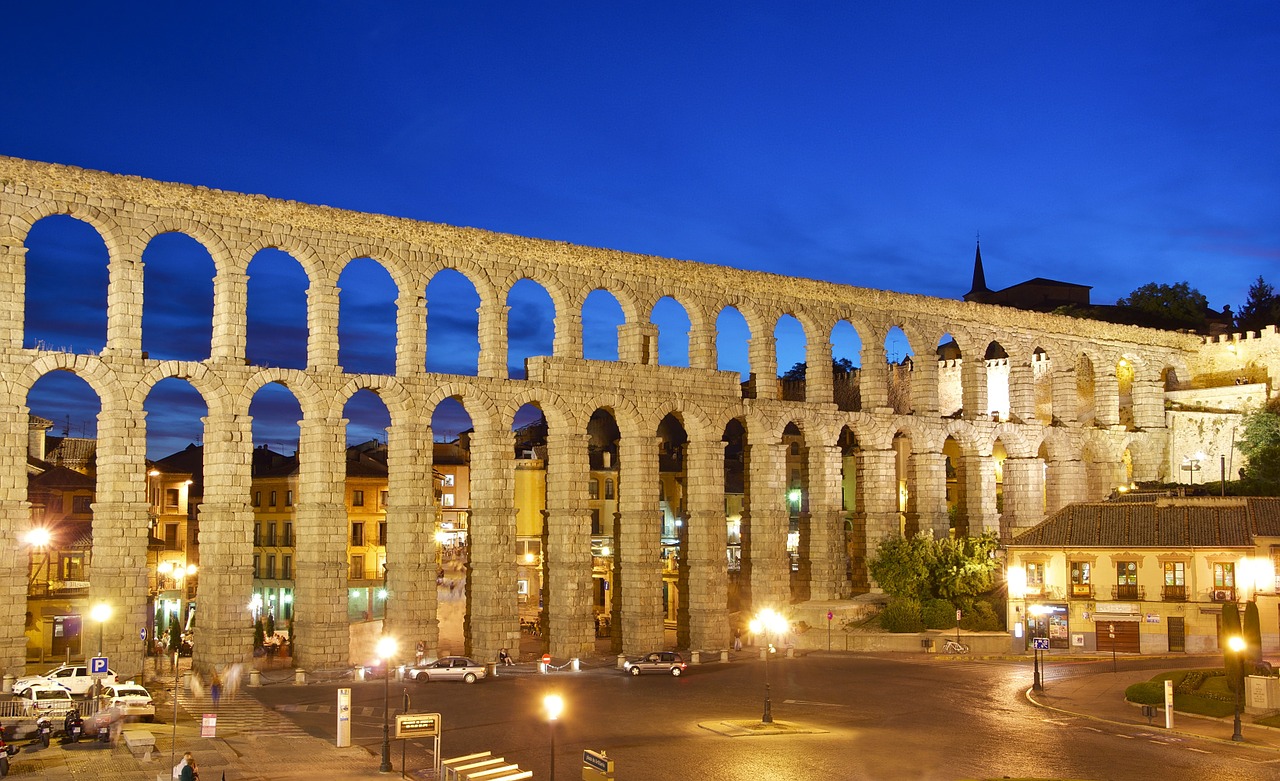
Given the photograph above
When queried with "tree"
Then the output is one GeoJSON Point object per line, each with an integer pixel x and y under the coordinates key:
{"type": "Point", "coordinates": [1260, 444]}
{"type": "Point", "coordinates": [1230, 628]}
{"type": "Point", "coordinates": [259, 633]}
{"type": "Point", "coordinates": [902, 566]}
{"type": "Point", "coordinates": [838, 366]}
{"type": "Point", "coordinates": [1261, 308]}
{"type": "Point", "coordinates": [1180, 304]}
{"type": "Point", "coordinates": [1252, 632]}
{"type": "Point", "coordinates": [965, 567]}
{"type": "Point", "coordinates": [922, 568]}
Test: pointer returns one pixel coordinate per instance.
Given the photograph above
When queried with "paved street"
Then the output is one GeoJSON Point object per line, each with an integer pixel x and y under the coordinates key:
{"type": "Point", "coordinates": [838, 716]}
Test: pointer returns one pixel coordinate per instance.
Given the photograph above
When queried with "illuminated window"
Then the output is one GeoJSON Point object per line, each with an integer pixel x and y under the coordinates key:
{"type": "Point", "coordinates": [1175, 573]}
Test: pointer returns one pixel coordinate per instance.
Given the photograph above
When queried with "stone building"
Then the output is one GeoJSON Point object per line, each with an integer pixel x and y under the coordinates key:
{"type": "Point", "coordinates": [1077, 406]}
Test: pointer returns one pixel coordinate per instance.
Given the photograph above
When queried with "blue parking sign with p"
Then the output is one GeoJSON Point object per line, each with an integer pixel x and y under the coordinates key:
{"type": "Point", "coordinates": [98, 665]}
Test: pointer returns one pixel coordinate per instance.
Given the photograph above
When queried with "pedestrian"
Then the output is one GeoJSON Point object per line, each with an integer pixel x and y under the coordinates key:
{"type": "Point", "coordinates": [737, 639]}
{"type": "Point", "coordinates": [215, 689]}
{"type": "Point", "coordinates": [177, 769]}
{"type": "Point", "coordinates": [189, 772]}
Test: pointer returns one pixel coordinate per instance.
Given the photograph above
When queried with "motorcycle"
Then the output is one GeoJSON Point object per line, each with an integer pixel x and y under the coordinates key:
{"type": "Point", "coordinates": [44, 730]}
{"type": "Point", "coordinates": [73, 726]}
{"type": "Point", "coordinates": [6, 751]}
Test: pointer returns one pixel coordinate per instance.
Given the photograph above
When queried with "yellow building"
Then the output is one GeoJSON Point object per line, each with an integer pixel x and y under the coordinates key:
{"type": "Point", "coordinates": [1148, 575]}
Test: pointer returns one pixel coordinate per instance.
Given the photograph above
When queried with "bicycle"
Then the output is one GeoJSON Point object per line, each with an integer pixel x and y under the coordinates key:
{"type": "Point", "coordinates": [953, 647]}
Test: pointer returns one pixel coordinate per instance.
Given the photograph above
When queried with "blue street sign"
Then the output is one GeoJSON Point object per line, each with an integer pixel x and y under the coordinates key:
{"type": "Point", "coordinates": [142, 633]}
{"type": "Point", "coordinates": [1040, 643]}
{"type": "Point", "coordinates": [98, 665]}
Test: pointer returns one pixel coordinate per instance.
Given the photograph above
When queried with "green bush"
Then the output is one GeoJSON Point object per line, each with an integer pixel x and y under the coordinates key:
{"type": "Point", "coordinates": [980, 616]}
{"type": "Point", "coordinates": [902, 615]}
{"type": "Point", "coordinates": [1146, 693]}
{"type": "Point", "coordinates": [938, 614]}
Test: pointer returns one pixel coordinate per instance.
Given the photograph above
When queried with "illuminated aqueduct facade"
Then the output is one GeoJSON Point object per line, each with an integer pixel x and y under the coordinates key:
{"type": "Point", "coordinates": [1074, 406]}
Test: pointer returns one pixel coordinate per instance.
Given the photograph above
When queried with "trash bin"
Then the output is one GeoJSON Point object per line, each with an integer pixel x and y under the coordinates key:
{"type": "Point", "coordinates": [927, 644]}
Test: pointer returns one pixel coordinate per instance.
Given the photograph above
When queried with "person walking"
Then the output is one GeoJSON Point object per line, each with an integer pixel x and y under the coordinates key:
{"type": "Point", "coordinates": [189, 771]}
{"type": "Point", "coordinates": [215, 689]}
{"type": "Point", "coordinates": [737, 639]}
{"type": "Point", "coordinates": [177, 769]}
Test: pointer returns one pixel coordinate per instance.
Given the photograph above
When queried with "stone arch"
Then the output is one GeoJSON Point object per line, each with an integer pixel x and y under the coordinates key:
{"type": "Point", "coordinates": [108, 229]}
{"type": "Point", "coordinates": [996, 378]}
{"type": "Point", "coordinates": [1042, 385]}
{"type": "Point", "coordinates": [481, 406]}
{"type": "Point", "coordinates": [169, 325]}
{"type": "Point", "coordinates": [303, 254]}
{"type": "Point", "coordinates": [208, 383]}
{"type": "Point", "coordinates": [471, 270]}
{"type": "Point", "coordinates": [598, 299]}
{"type": "Point", "coordinates": [391, 261]}
{"type": "Point", "coordinates": [668, 341]}
{"type": "Point", "coordinates": [310, 396]}
{"type": "Point", "coordinates": [391, 390]}
{"type": "Point", "coordinates": [525, 301]}
{"type": "Point", "coordinates": [206, 236]}
{"type": "Point", "coordinates": [104, 381]}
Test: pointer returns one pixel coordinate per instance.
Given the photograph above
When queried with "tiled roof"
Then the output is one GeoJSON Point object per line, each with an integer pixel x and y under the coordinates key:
{"type": "Point", "coordinates": [1264, 513]}
{"type": "Point", "coordinates": [61, 479]}
{"type": "Point", "coordinates": [1150, 525]}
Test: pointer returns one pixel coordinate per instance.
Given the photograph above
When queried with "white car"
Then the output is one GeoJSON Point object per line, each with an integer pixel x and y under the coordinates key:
{"type": "Point", "coordinates": [129, 700]}
{"type": "Point", "coordinates": [41, 699]}
{"type": "Point", "coordinates": [75, 678]}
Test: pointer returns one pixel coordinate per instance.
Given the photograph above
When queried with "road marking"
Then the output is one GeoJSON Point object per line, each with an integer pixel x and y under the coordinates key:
{"type": "Point", "coordinates": [811, 702]}
{"type": "Point", "coordinates": [1126, 737]}
{"type": "Point", "coordinates": [1197, 750]}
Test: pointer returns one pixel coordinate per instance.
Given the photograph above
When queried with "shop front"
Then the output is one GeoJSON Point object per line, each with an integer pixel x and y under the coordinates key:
{"type": "Point", "coordinates": [1051, 620]}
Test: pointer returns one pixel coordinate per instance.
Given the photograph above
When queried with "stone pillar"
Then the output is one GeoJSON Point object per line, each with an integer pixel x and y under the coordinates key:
{"type": "Point", "coordinates": [1022, 389]}
{"type": "Point", "coordinates": [823, 545]}
{"type": "Point", "coordinates": [817, 377]}
{"type": "Point", "coordinates": [412, 549]}
{"type": "Point", "coordinates": [322, 329]}
{"type": "Point", "coordinates": [1023, 495]}
{"type": "Point", "coordinates": [322, 531]}
{"type": "Point", "coordinates": [708, 592]}
{"type": "Point", "coordinates": [979, 476]}
{"type": "Point", "coordinates": [15, 519]}
{"type": "Point", "coordinates": [120, 528]}
{"type": "Point", "coordinates": [929, 492]}
{"type": "Point", "coordinates": [873, 386]}
{"type": "Point", "coordinates": [924, 385]}
{"type": "Point", "coordinates": [702, 344]}
{"type": "Point", "coordinates": [1106, 397]}
{"type": "Point", "coordinates": [411, 332]}
{"type": "Point", "coordinates": [1066, 483]}
{"type": "Point", "coordinates": [973, 389]}
{"type": "Point", "coordinates": [568, 336]}
{"type": "Point", "coordinates": [493, 616]}
{"type": "Point", "coordinates": [638, 343]}
{"type": "Point", "coordinates": [13, 283]}
{"type": "Point", "coordinates": [1148, 401]}
{"type": "Point", "coordinates": [1066, 400]}
{"type": "Point", "coordinates": [224, 632]}
{"type": "Point", "coordinates": [230, 316]}
{"type": "Point", "coordinates": [878, 472]}
{"type": "Point", "coordinates": [639, 544]}
{"type": "Point", "coordinates": [570, 618]}
{"type": "Point", "coordinates": [764, 365]}
{"type": "Point", "coordinates": [766, 498]}
{"type": "Point", "coordinates": [492, 332]}
{"type": "Point", "coordinates": [124, 302]}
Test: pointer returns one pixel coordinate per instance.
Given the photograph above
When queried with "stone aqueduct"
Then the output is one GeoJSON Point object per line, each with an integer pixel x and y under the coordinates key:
{"type": "Point", "coordinates": [1071, 453]}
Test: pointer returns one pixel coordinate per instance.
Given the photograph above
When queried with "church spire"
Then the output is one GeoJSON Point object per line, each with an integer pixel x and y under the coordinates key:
{"type": "Point", "coordinates": [979, 286]}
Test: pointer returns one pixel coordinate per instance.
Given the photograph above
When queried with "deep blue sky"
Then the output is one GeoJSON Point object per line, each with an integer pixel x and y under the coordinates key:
{"type": "Point", "coordinates": [1107, 144]}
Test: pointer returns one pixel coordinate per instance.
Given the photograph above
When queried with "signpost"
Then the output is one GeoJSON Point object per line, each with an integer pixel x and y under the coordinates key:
{"type": "Point", "coordinates": [1111, 633]}
{"type": "Point", "coordinates": [1038, 644]}
{"type": "Point", "coordinates": [344, 718]}
{"type": "Point", "coordinates": [420, 725]}
{"type": "Point", "coordinates": [830, 616]}
{"type": "Point", "coordinates": [596, 766]}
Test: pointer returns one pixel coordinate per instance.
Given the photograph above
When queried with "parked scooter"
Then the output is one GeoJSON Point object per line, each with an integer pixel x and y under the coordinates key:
{"type": "Point", "coordinates": [6, 751]}
{"type": "Point", "coordinates": [44, 730]}
{"type": "Point", "coordinates": [73, 726]}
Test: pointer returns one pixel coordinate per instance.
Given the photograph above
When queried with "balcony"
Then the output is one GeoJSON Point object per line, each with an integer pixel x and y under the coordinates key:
{"type": "Point", "coordinates": [1127, 591]}
{"type": "Point", "coordinates": [1081, 591]}
{"type": "Point", "coordinates": [1174, 594]}
{"type": "Point", "coordinates": [1219, 594]}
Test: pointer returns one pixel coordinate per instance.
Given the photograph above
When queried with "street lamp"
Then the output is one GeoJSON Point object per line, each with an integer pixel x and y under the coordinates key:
{"type": "Point", "coordinates": [1237, 645]}
{"type": "Point", "coordinates": [769, 622]}
{"type": "Point", "coordinates": [386, 649]}
{"type": "Point", "coordinates": [554, 704]}
{"type": "Point", "coordinates": [100, 613]}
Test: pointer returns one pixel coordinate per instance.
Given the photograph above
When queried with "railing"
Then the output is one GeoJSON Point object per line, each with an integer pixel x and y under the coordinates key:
{"type": "Point", "coordinates": [1127, 591]}
{"type": "Point", "coordinates": [20, 709]}
{"type": "Point", "coordinates": [1175, 593]}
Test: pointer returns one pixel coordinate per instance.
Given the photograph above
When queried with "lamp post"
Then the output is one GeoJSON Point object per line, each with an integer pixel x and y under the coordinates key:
{"type": "Point", "coordinates": [554, 704]}
{"type": "Point", "coordinates": [1237, 645]}
{"type": "Point", "coordinates": [768, 622]}
{"type": "Point", "coordinates": [386, 649]}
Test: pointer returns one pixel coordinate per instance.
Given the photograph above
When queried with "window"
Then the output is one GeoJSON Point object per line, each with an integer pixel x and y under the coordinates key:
{"type": "Point", "coordinates": [54, 504]}
{"type": "Point", "coordinates": [446, 500]}
{"type": "Point", "coordinates": [383, 496]}
{"type": "Point", "coordinates": [1126, 573]}
{"type": "Point", "coordinates": [271, 566]}
{"type": "Point", "coordinates": [1081, 578]}
{"type": "Point", "coordinates": [1224, 575]}
{"type": "Point", "coordinates": [171, 498]}
{"type": "Point", "coordinates": [357, 498]}
{"type": "Point", "coordinates": [357, 535]}
{"type": "Point", "coordinates": [382, 533]}
{"type": "Point", "coordinates": [171, 536]}
{"type": "Point", "coordinates": [1175, 573]}
{"type": "Point", "coordinates": [257, 534]}
{"type": "Point", "coordinates": [593, 488]}
{"type": "Point", "coordinates": [288, 498]}
{"type": "Point", "coordinates": [71, 566]}
{"type": "Point", "coordinates": [255, 565]}
{"type": "Point", "coordinates": [1035, 576]}
{"type": "Point", "coordinates": [357, 568]}
{"type": "Point", "coordinates": [795, 448]}
{"type": "Point", "coordinates": [82, 504]}
{"type": "Point", "coordinates": [448, 479]}
{"type": "Point", "coordinates": [257, 498]}
{"type": "Point", "coordinates": [288, 535]}
{"type": "Point", "coordinates": [595, 521]}
{"type": "Point", "coordinates": [608, 488]}
{"type": "Point", "coordinates": [271, 534]}
{"type": "Point", "coordinates": [273, 498]}
{"type": "Point", "coordinates": [286, 567]}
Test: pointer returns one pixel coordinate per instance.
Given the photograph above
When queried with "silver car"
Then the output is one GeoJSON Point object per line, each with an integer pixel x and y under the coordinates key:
{"type": "Point", "coordinates": [668, 662]}
{"type": "Point", "coordinates": [129, 700]}
{"type": "Point", "coordinates": [449, 668]}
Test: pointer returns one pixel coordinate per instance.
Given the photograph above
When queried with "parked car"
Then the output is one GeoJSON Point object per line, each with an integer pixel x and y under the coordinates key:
{"type": "Point", "coordinates": [75, 678]}
{"type": "Point", "coordinates": [129, 700]}
{"type": "Point", "coordinates": [42, 699]}
{"type": "Point", "coordinates": [448, 668]}
{"type": "Point", "coordinates": [668, 662]}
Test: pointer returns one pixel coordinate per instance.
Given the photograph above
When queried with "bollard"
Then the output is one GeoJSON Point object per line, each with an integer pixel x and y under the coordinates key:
{"type": "Point", "coordinates": [255, 678]}
{"type": "Point", "coordinates": [8, 684]}
{"type": "Point", "coordinates": [791, 652]}
{"type": "Point", "coordinates": [764, 652]}
{"type": "Point", "coordinates": [491, 670]}
{"type": "Point", "coordinates": [697, 657]}
{"type": "Point", "coordinates": [299, 677]}
{"type": "Point", "coordinates": [186, 680]}
{"type": "Point", "coordinates": [573, 664]}
{"type": "Point", "coordinates": [542, 667]}
{"type": "Point", "coordinates": [724, 656]}
{"type": "Point", "coordinates": [622, 661]}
